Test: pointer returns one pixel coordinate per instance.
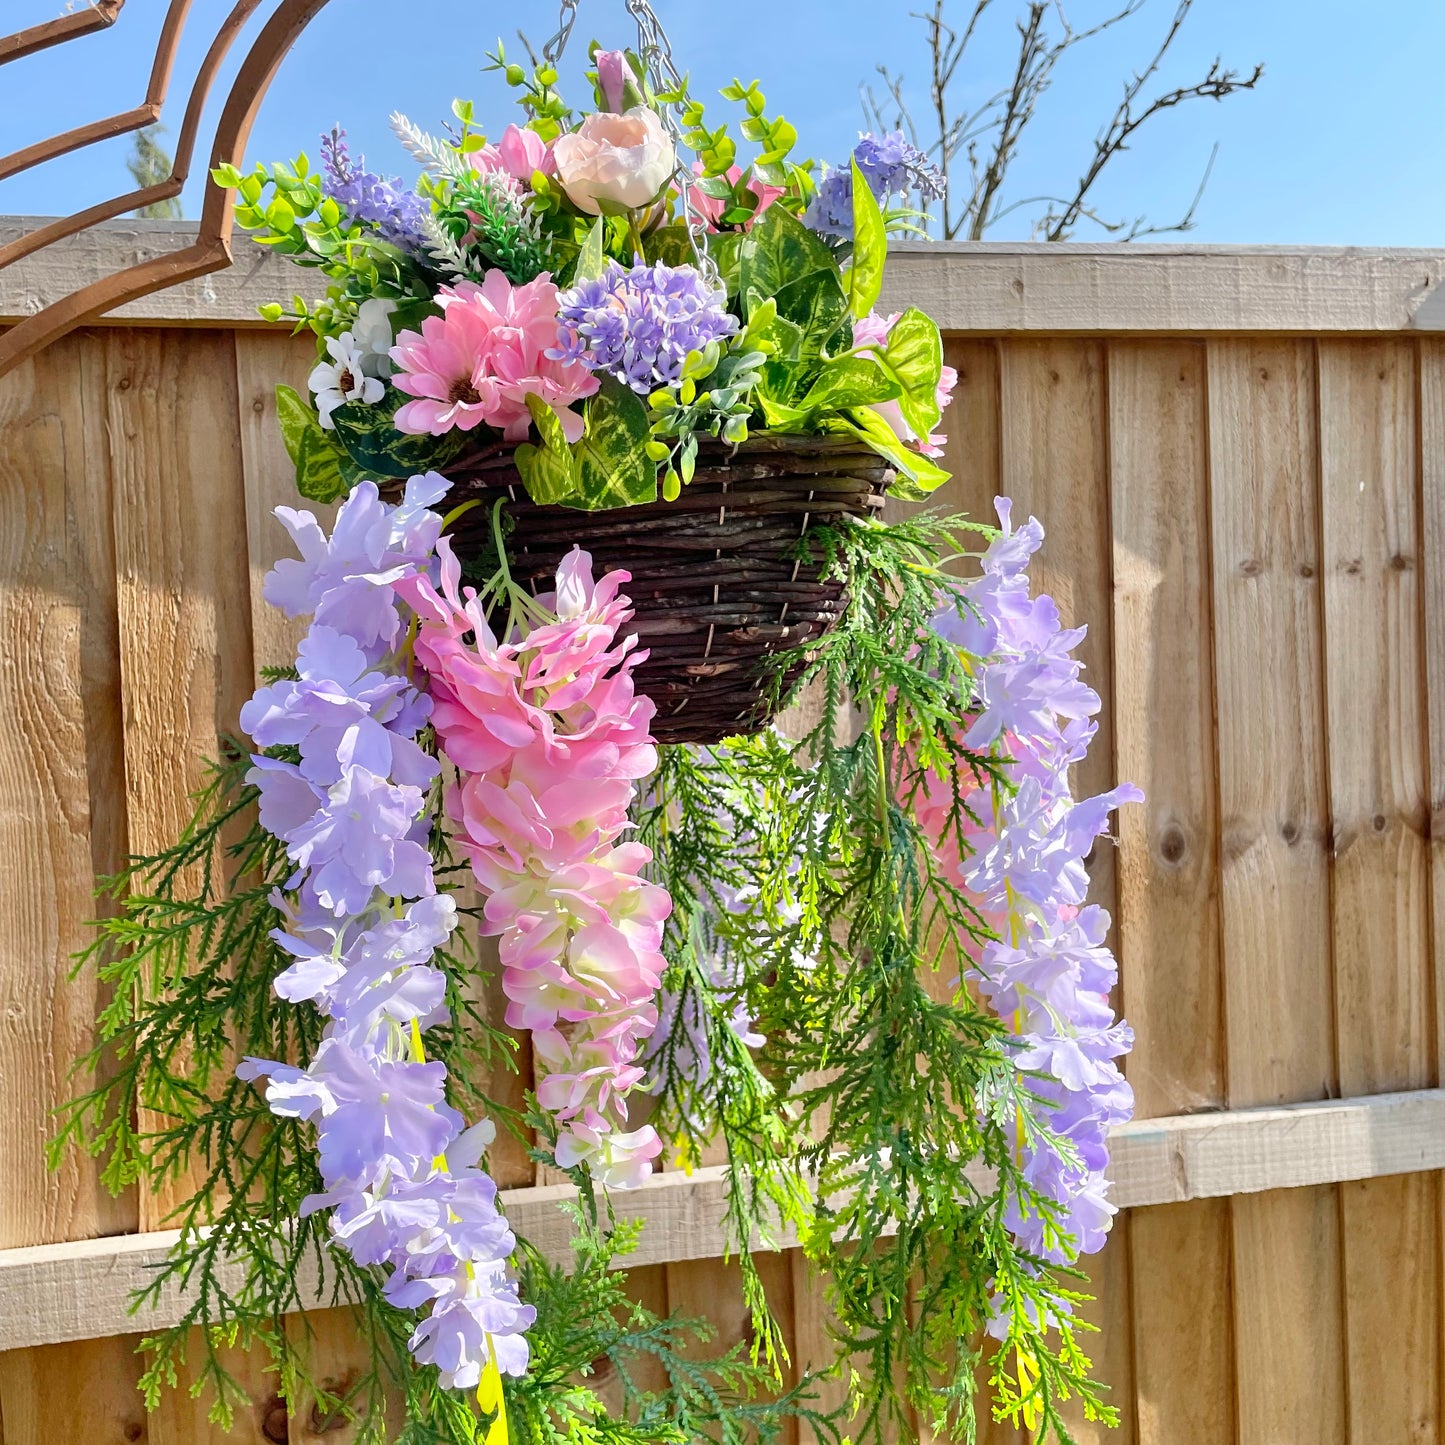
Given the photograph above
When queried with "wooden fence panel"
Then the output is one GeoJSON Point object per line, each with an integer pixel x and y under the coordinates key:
{"type": "Point", "coordinates": [1374, 667]}
{"type": "Point", "coordinates": [1274, 867]}
{"type": "Point", "coordinates": [1251, 525]}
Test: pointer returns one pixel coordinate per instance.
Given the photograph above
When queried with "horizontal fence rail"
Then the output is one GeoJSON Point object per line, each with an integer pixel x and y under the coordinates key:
{"type": "Point", "coordinates": [983, 287]}
{"type": "Point", "coordinates": [51, 1293]}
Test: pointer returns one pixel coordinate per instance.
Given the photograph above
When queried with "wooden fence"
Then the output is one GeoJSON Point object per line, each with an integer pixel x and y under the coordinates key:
{"type": "Point", "coordinates": [1240, 460]}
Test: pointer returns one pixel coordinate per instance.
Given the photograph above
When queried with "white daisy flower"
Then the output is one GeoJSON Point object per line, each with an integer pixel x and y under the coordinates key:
{"type": "Point", "coordinates": [342, 379]}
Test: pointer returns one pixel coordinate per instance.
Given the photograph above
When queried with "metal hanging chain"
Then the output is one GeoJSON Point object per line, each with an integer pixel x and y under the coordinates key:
{"type": "Point", "coordinates": [655, 50]}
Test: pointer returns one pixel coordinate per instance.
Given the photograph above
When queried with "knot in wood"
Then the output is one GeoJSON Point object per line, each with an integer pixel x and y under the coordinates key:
{"type": "Point", "coordinates": [274, 1420]}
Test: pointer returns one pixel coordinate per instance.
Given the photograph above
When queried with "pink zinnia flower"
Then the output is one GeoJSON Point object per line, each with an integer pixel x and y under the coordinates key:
{"type": "Point", "coordinates": [711, 208]}
{"type": "Point", "coordinates": [481, 359]}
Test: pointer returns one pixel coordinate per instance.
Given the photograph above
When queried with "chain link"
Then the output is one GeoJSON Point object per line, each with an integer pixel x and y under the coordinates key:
{"type": "Point", "coordinates": [655, 50]}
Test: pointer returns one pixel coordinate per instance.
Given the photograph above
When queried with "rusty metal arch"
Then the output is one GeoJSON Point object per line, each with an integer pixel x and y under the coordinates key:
{"type": "Point", "coordinates": [211, 250]}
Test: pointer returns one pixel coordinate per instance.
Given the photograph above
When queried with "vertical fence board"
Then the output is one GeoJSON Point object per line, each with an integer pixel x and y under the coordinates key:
{"type": "Point", "coordinates": [61, 820]}
{"type": "Point", "coordinates": [971, 454]}
{"type": "Point", "coordinates": [1274, 820]}
{"type": "Point", "coordinates": [264, 360]}
{"type": "Point", "coordinates": [1367, 396]}
{"type": "Point", "coordinates": [62, 826]}
{"type": "Point", "coordinates": [184, 611]}
{"type": "Point", "coordinates": [1168, 924]}
{"type": "Point", "coordinates": [1054, 463]}
{"type": "Point", "coordinates": [75, 1394]}
{"type": "Point", "coordinates": [1432, 521]}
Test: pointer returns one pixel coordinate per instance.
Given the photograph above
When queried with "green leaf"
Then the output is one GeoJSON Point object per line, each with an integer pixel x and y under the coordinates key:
{"type": "Point", "coordinates": [280, 216]}
{"type": "Point", "coordinates": [317, 459]}
{"type": "Point", "coordinates": [611, 462]}
{"type": "Point", "coordinates": [547, 470]}
{"type": "Point", "coordinates": [780, 251]}
{"type": "Point", "coordinates": [784, 382]}
{"type": "Point", "coordinates": [849, 382]}
{"type": "Point", "coordinates": [771, 333]}
{"type": "Point", "coordinates": [592, 258]}
{"type": "Point", "coordinates": [817, 305]}
{"type": "Point", "coordinates": [368, 435]}
{"type": "Point", "coordinates": [914, 358]}
{"type": "Point", "coordinates": [870, 247]}
{"type": "Point", "coordinates": [669, 245]}
{"type": "Point", "coordinates": [918, 475]}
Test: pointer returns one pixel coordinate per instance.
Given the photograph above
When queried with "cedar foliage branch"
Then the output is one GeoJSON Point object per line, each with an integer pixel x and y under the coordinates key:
{"type": "Point", "coordinates": [881, 1118]}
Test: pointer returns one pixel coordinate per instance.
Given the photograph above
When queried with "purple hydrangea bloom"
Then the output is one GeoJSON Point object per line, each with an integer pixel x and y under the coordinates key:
{"type": "Point", "coordinates": [639, 323]}
{"type": "Point", "coordinates": [893, 167]}
{"type": "Point", "coordinates": [398, 215]}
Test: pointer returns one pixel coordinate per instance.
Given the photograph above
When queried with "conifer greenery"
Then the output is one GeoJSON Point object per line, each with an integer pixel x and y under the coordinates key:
{"type": "Point", "coordinates": [878, 1117]}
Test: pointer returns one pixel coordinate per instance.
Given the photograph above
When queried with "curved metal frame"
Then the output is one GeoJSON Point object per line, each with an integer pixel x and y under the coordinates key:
{"type": "Point", "coordinates": [211, 250]}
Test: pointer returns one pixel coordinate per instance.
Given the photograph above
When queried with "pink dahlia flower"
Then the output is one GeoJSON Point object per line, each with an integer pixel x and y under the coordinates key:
{"type": "Point", "coordinates": [481, 359]}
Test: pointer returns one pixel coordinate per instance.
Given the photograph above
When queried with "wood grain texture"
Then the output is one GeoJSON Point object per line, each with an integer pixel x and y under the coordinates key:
{"type": "Point", "coordinates": [985, 287]}
{"type": "Point", "coordinates": [1377, 749]}
{"type": "Point", "coordinates": [1055, 465]}
{"type": "Point", "coordinates": [58, 1292]}
{"type": "Point", "coordinates": [1432, 516]}
{"type": "Point", "coordinates": [1183, 1334]}
{"type": "Point", "coordinates": [1163, 706]}
{"type": "Point", "coordinates": [1113, 1349]}
{"type": "Point", "coordinates": [265, 360]}
{"type": "Point", "coordinates": [62, 828]}
{"type": "Point", "coordinates": [173, 429]}
{"type": "Point", "coordinates": [1275, 866]}
{"type": "Point", "coordinates": [181, 1418]}
{"type": "Point", "coordinates": [62, 822]}
{"type": "Point", "coordinates": [1168, 924]}
{"type": "Point", "coordinates": [329, 1343]}
{"type": "Point", "coordinates": [75, 1394]}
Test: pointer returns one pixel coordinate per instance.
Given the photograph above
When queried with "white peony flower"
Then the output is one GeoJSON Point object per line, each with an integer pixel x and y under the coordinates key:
{"type": "Point", "coordinates": [342, 379]}
{"type": "Point", "coordinates": [372, 332]}
{"type": "Point", "coordinates": [626, 160]}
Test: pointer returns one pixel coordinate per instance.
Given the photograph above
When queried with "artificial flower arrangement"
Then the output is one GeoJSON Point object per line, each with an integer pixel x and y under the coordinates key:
{"type": "Point", "coordinates": [862, 961]}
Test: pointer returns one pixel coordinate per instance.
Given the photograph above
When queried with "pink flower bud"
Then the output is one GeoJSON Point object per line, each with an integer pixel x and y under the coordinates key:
{"type": "Point", "coordinates": [612, 76]}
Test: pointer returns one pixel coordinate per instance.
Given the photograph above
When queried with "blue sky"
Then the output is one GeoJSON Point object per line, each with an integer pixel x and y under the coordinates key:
{"type": "Point", "coordinates": [1338, 146]}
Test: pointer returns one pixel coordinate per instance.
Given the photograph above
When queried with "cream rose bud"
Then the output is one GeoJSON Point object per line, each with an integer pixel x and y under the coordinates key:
{"type": "Point", "coordinates": [623, 159]}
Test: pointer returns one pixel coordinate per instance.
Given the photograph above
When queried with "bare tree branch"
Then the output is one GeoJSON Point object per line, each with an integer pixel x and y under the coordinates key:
{"type": "Point", "coordinates": [987, 139]}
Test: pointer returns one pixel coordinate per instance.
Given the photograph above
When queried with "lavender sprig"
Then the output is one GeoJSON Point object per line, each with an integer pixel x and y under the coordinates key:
{"type": "Point", "coordinates": [369, 199]}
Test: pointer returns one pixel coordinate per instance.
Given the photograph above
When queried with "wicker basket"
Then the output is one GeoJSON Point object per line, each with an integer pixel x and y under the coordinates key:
{"type": "Point", "coordinates": [716, 581]}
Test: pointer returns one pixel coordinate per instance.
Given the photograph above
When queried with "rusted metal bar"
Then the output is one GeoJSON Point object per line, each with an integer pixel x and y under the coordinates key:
{"type": "Point", "coordinates": [136, 118]}
{"type": "Point", "coordinates": [99, 16]}
{"type": "Point", "coordinates": [211, 249]}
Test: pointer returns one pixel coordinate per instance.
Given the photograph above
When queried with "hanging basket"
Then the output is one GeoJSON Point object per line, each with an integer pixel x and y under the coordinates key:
{"type": "Point", "coordinates": [717, 581]}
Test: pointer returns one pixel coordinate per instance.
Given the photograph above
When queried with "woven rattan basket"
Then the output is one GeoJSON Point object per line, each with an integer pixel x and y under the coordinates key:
{"type": "Point", "coordinates": [716, 578]}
